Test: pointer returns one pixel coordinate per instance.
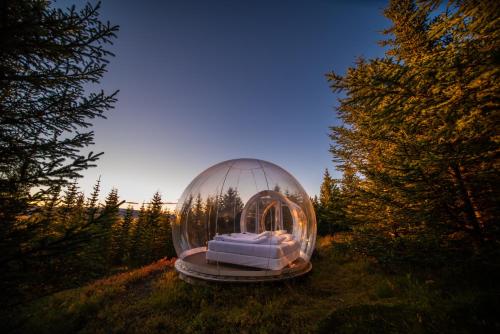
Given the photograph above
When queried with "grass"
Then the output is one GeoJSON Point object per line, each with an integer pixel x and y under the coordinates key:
{"type": "Point", "coordinates": [345, 293]}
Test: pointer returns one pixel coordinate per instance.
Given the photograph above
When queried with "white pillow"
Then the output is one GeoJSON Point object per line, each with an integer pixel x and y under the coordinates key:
{"type": "Point", "coordinates": [264, 234]}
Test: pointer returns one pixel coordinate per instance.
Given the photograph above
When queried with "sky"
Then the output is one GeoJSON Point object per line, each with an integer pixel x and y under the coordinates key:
{"type": "Point", "coordinates": [206, 81]}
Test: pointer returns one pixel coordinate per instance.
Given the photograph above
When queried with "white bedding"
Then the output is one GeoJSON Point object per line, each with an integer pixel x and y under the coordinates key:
{"type": "Point", "coordinates": [268, 250]}
{"type": "Point", "coordinates": [253, 261]}
{"type": "Point", "coordinates": [252, 238]}
{"type": "Point", "coordinates": [261, 250]}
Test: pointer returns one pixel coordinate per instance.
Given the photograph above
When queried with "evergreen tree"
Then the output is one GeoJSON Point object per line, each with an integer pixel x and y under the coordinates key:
{"type": "Point", "coordinates": [157, 234]}
{"type": "Point", "coordinates": [316, 204]}
{"type": "Point", "coordinates": [111, 206]}
{"type": "Point", "coordinates": [48, 57]}
{"type": "Point", "coordinates": [110, 226]}
{"type": "Point", "coordinates": [137, 243]}
{"type": "Point", "coordinates": [155, 220]}
{"type": "Point", "coordinates": [198, 225]}
{"type": "Point", "coordinates": [70, 195]}
{"type": "Point", "coordinates": [210, 210]}
{"type": "Point", "coordinates": [123, 255]}
{"type": "Point", "coordinates": [169, 249]}
{"type": "Point", "coordinates": [229, 211]}
{"type": "Point", "coordinates": [419, 124]}
{"type": "Point", "coordinates": [80, 208]}
{"type": "Point", "coordinates": [317, 210]}
{"type": "Point", "coordinates": [351, 200]}
{"type": "Point", "coordinates": [330, 207]}
{"type": "Point", "coordinates": [68, 202]}
{"type": "Point", "coordinates": [93, 200]}
{"type": "Point", "coordinates": [52, 204]}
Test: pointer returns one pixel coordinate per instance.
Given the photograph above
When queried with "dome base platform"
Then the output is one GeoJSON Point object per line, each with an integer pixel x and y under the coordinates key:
{"type": "Point", "coordinates": [195, 267]}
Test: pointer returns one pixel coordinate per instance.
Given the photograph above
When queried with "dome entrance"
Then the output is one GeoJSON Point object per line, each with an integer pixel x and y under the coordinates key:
{"type": "Point", "coordinates": [244, 220]}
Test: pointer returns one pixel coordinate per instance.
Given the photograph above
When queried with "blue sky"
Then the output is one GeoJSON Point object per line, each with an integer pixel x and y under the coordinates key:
{"type": "Point", "coordinates": [205, 81]}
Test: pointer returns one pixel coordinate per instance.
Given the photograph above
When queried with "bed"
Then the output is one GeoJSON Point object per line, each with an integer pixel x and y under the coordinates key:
{"type": "Point", "coordinates": [268, 250]}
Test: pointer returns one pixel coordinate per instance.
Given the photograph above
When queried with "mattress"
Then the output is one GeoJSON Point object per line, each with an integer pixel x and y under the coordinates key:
{"type": "Point", "coordinates": [267, 237]}
{"type": "Point", "coordinates": [258, 250]}
{"type": "Point", "coordinates": [267, 250]}
{"type": "Point", "coordinates": [254, 261]}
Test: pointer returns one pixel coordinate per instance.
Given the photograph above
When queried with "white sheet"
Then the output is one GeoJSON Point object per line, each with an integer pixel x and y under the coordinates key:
{"type": "Point", "coordinates": [253, 261]}
{"type": "Point", "coordinates": [260, 250]}
{"type": "Point", "coordinates": [268, 250]}
{"type": "Point", "coordinates": [252, 238]}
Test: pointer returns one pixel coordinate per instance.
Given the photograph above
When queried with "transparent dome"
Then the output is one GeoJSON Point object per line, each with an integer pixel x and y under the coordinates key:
{"type": "Point", "coordinates": [244, 218]}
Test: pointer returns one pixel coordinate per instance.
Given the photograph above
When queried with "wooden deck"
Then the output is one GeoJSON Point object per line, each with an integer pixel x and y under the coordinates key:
{"type": "Point", "coordinates": [195, 266]}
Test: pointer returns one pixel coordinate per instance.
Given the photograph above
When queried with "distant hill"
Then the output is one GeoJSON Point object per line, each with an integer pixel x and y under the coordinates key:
{"type": "Point", "coordinates": [123, 211]}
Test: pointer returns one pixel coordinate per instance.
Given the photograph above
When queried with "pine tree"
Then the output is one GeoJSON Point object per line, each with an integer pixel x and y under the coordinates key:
{"type": "Point", "coordinates": [326, 195]}
{"type": "Point", "coordinates": [110, 226]}
{"type": "Point", "coordinates": [79, 217]}
{"type": "Point", "coordinates": [111, 206]}
{"type": "Point", "coordinates": [420, 125]}
{"type": "Point", "coordinates": [168, 243]}
{"type": "Point", "coordinates": [68, 202]}
{"type": "Point", "coordinates": [156, 235]}
{"type": "Point", "coordinates": [229, 211]}
{"type": "Point", "coordinates": [70, 195]}
{"type": "Point", "coordinates": [137, 242]}
{"type": "Point", "coordinates": [210, 210]}
{"type": "Point", "coordinates": [316, 203]}
{"type": "Point", "coordinates": [51, 206]}
{"type": "Point", "coordinates": [93, 200]}
{"type": "Point", "coordinates": [197, 228]}
{"type": "Point", "coordinates": [330, 207]}
{"type": "Point", "coordinates": [48, 58]}
{"type": "Point", "coordinates": [155, 216]}
{"type": "Point", "coordinates": [97, 253]}
{"type": "Point", "coordinates": [317, 209]}
{"type": "Point", "coordinates": [123, 255]}
{"type": "Point", "coordinates": [351, 200]}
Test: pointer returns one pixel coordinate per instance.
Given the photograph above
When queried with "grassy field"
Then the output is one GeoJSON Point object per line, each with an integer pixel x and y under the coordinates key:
{"type": "Point", "coordinates": [345, 293]}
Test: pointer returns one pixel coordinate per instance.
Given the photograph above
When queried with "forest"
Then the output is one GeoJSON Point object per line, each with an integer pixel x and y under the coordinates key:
{"type": "Point", "coordinates": [408, 237]}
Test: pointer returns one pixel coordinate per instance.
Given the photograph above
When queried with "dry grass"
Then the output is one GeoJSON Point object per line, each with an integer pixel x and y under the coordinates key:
{"type": "Point", "coordinates": [343, 292]}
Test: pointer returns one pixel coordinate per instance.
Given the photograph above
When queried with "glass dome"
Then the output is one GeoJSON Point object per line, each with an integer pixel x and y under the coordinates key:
{"type": "Point", "coordinates": [244, 219]}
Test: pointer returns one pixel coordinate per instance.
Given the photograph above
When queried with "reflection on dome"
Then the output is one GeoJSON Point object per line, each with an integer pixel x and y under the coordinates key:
{"type": "Point", "coordinates": [244, 220]}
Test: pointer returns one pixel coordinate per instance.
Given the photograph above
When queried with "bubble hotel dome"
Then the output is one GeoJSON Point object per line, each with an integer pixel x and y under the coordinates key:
{"type": "Point", "coordinates": [244, 220]}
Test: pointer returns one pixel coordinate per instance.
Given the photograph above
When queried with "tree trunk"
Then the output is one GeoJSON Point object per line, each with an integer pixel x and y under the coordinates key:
{"type": "Point", "coordinates": [472, 215]}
